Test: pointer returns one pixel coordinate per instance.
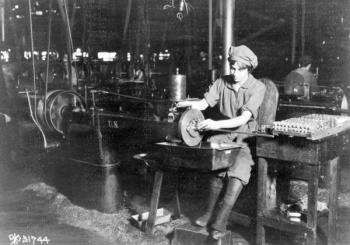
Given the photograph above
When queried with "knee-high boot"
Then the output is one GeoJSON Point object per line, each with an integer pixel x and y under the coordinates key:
{"type": "Point", "coordinates": [233, 189]}
{"type": "Point", "coordinates": [215, 188]}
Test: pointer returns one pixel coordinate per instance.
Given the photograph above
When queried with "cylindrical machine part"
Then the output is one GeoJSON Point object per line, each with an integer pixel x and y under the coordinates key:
{"type": "Point", "coordinates": [229, 13]}
{"type": "Point", "coordinates": [177, 87]}
{"type": "Point", "coordinates": [213, 75]}
{"type": "Point", "coordinates": [307, 91]}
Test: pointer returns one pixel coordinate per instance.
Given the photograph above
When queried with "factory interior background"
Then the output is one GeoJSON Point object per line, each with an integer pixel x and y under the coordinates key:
{"type": "Point", "coordinates": [86, 93]}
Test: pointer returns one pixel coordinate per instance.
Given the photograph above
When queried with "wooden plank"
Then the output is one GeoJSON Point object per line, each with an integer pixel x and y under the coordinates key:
{"type": "Point", "coordinates": [276, 220]}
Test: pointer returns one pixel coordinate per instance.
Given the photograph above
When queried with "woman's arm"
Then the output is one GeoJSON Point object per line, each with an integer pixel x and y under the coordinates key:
{"type": "Point", "coordinates": [210, 124]}
{"type": "Point", "coordinates": [199, 105]}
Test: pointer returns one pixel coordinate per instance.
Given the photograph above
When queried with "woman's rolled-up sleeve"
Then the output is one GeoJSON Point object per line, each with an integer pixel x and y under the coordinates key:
{"type": "Point", "coordinates": [213, 95]}
{"type": "Point", "coordinates": [255, 100]}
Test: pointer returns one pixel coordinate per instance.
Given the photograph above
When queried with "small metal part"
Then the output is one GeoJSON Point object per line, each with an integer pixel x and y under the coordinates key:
{"type": "Point", "coordinates": [312, 126]}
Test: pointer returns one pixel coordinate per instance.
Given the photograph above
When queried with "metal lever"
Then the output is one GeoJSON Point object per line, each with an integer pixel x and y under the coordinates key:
{"type": "Point", "coordinates": [246, 133]}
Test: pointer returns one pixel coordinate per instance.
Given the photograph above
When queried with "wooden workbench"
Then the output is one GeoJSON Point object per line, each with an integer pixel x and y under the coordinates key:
{"type": "Point", "coordinates": [301, 159]}
{"type": "Point", "coordinates": [174, 157]}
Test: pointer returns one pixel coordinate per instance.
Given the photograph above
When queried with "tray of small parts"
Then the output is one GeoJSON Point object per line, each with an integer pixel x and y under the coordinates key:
{"type": "Point", "coordinates": [312, 126]}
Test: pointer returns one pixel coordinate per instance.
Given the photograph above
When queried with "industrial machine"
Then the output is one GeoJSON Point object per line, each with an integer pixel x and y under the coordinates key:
{"type": "Point", "coordinates": [328, 100]}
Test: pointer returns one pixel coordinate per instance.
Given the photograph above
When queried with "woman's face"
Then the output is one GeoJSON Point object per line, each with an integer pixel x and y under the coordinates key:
{"type": "Point", "coordinates": [240, 74]}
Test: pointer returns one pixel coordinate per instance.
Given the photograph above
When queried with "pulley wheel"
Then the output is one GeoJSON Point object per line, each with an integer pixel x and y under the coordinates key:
{"type": "Point", "coordinates": [187, 127]}
{"type": "Point", "coordinates": [57, 103]}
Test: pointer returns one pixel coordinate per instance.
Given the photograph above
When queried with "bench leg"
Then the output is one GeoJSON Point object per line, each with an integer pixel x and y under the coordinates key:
{"type": "Point", "coordinates": [312, 204]}
{"type": "Point", "coordinates": [262, 202]}
{"type": "Point", "coordinates": [178, 207]}
{"type": "Point", "coordinates": [333, 197]}
{"type": "Point", "coordinates": [260, 233]}
{"type": "Point", "coordinates": [157, 185]}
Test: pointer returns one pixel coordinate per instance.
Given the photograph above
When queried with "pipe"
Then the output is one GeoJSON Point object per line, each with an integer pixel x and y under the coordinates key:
{"type": "Point", "coordinates": [84, 13]}
{"type": "Point", "coordinates": [2, 20]}
{"type": "Point", "coordinates": [32, 56]}
{"type": "Point", "coordinates": [302, 28]}
{"type": "Point", "coordinates": [127, 18]}
{"type": "Point", "coordinates": [48, 57]}
{"type": "Point", "coordinates": [210, 38]}
{"type": "Point", "coordinates": [221, 16]}
{"type": "Point", "coordinates": [228, 30]}
{"type": "Point", "coordinates": [63, 7]}
{"type": "Point", "coordinates": [294, 31]}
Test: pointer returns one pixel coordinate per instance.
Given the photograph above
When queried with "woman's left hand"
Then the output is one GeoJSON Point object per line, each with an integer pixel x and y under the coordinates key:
{"type": "Point", "coordinates": [208, 124]}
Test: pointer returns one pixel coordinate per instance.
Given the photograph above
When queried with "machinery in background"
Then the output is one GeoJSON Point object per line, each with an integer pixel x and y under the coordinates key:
{"type": "Point", "coordinates": [126, 123]}
{"type": "Point", "coordinates": [328, 100]}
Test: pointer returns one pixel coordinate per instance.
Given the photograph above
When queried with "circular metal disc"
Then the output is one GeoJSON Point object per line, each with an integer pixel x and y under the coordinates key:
{"type": "Point", "coordinates": [187, 127]}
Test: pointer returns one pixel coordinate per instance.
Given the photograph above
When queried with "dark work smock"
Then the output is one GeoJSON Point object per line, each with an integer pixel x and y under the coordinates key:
{"type": "Point", "coordinates": [231, 104]}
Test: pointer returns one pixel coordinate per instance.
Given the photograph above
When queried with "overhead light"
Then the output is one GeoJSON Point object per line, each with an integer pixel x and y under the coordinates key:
{"type": "Point", "coordinates": [107, 56]}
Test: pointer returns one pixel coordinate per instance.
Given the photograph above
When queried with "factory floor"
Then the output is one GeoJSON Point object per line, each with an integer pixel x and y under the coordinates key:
{"type": "Point", "coordinates": [50, 198]}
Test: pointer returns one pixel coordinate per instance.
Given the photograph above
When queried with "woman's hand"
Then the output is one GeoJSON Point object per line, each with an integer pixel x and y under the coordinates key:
{"type": "Point", "coordinates": [183, 104]}
{"type": "Point", "coordinates": [208, 124]}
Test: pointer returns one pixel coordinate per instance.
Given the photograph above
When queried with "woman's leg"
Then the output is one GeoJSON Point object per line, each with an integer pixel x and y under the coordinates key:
{"type": "Point", "coordinates": [233, 189]}
{"type": "Point", "coordinates": [216, 184]}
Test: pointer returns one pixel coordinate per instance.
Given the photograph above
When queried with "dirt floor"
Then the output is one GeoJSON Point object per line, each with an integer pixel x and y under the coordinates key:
{"type": "Point", "coordinates": [70, 203]}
